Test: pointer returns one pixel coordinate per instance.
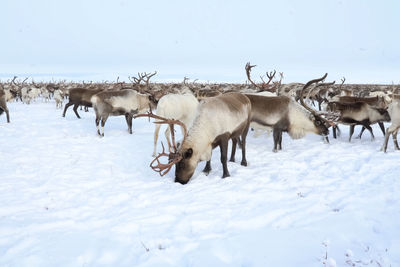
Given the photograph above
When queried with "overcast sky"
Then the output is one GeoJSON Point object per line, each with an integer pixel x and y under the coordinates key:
{"type": "Point", "coordinates": [207, 40]}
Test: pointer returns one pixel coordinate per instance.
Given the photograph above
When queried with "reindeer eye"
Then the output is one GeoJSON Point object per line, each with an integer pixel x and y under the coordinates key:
{"type": "Point", "coordinates": [188, 153]}
{"type": "Point", "coordinates": [318, 123]}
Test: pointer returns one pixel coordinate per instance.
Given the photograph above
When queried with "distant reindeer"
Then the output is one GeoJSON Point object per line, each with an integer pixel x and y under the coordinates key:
{"type": "Point", "coordinates": [3, 103]}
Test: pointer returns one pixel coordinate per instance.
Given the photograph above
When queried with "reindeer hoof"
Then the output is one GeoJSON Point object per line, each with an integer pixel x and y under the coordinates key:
{"type": "Point", "coordinates": [274, 150]}
{"type": "Point", "coordinates": [243, 163]}
{"type": "Point", "coordinates": [232, 160]}
{"type": "Point", "coordinates": [206, 171]}
{"type": "Point", "coordinates": [226, 175]}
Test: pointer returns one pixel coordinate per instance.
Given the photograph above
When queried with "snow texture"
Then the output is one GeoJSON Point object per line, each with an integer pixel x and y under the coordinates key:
{"type": "Point", "coordinates": [70, 198]}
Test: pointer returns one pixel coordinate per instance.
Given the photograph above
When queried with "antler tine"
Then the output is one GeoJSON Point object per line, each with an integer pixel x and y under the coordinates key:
{"type": "Point", "coordinates": [13, 80]}
{"type": "Point", "coordinates": [163, 120]}
{"type": "Point", "coordinates": [162, 168]}
{"type": "Point", "coordinates": [248, 68]}
{"type": "Point", "coordinates": [173, 157]}
{"type": "Point", "coordinates": [314, 112]}
{"type": "Point", "coordinates": [325, 84]}
{"type": "Point", "coordinates": [270, 75]}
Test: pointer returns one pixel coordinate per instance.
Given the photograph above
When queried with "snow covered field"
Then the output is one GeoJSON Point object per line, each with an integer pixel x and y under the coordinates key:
{"type": "Point", "coordinates": [70, 198]}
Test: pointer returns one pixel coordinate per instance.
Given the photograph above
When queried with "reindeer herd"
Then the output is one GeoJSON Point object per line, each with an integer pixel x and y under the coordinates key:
{"type": "Point", "coordinates": [210, 115]}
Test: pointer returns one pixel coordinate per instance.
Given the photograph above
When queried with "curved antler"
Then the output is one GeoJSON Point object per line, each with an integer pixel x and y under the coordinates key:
{"type": "Point", "coordinates": [314, 112]}
{"type": "Point", "coordinates": [173, 157]}
{"type": "Point", "coordinates": [265, 85]}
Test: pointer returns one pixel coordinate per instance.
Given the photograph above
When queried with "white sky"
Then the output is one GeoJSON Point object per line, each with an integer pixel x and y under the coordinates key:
{"type": "Point", "coordinates": [208, 40]}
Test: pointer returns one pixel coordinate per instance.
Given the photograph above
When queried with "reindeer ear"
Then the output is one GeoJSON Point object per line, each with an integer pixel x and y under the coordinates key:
{"type": "Point", "coordinates": [188, 153]}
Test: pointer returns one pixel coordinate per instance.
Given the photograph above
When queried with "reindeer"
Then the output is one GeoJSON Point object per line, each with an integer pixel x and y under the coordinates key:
{"type": "Point", "coordinates": [3, 103]}
{"type": "Point", "coordinates": [218, 119]}
{"type": "Point", "coordinates": [178, 107]}
{"type": "Point", "coordinates": [80, 96]}
{"type": "Point", "coordinates": [116, 103]}
{"type": "Point", "coordinates": [283, 114]}
{"type": "Point", "coordinates": [359, 112]}
{"type": "Point", "coordinates": [394, 112]}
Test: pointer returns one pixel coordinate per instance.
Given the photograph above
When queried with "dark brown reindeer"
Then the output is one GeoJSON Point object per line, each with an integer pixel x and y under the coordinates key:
{"type": "Point", "coordinates": [283, 114]}
{"type": "Point", "coordinates": [80, 97]}
{"type": "Point", "coordinates": [360, 111]}
{"type": "Point", "coordinates": [218, 119]}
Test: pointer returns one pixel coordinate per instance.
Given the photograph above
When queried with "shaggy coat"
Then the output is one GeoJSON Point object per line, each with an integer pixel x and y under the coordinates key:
{"type": "Point", "coordinates": [217, 120]}
{"type": "Point", "coordinates": [283, 114]}
{"type": "Point", "coordinates": [116, 103]}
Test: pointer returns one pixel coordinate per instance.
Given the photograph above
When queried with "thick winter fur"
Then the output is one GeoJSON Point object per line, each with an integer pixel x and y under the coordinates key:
{"type": "Point", "coordinates": [359, 113]}
{"type": "Point", "coordinates": [115, 103]}
{"type": "Point", "coordinates": [175, 106]}
{"type": "Point", "coordinates": [218, 119]}
{"type": "Point", "coordinates": [394, 112]}
{"type": "Point", "coordinates": [3, 104]}
{"type": "Point", "coordinates": [284, 114]}
{"type": "Point", "coordinates": [80, 96]}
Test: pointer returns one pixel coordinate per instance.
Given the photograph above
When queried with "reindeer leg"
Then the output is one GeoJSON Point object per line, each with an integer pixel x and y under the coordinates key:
{"type": "Point", "coordinates": [156, 131]}
{"type": "Point", "coordinates": [224, 151]}
{"type": "Point", "coordinates": [66, 107]}
{"type": "Point", "coordinates": [276, 134]}
{"type": "Point", "coordinates": [7, 114]}
{"type": "Point", "coordinates": [103, 122]}
{"type": "Point", "coordinates": [280, 142]}
{"type": "Point", "coordinates": [382, 126]}
{"type": "Point", "coordinates": [370, 130]}
{"type": "Point", "coordinates": [334, 131]}
{"type": "Point", "coordinates": [394, 135]}
{"type": "Point", "coordinates": [128, 119]}
{"type": "Point", "coordinates": [234, 143]}
{"type": "Point", "coordinates": [76, 110]}
{"type": "Point", "coordinates": [361, 132]}
{"type": "Point", "coordinates": [97, 124]}
{"type": "Point", "coordinates": [207, 168]}
{"type": "Point", "coordinates": [385, 142]}
{"type": "Point", "coordinates": [351, 132]}
{"type": "Point", "coordinates": [244, 136]}
{"type": "Point", "coordinates": [167, 134]}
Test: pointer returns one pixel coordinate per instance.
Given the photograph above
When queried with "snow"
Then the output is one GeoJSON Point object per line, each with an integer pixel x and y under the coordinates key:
{"type": "Point", "coordinates": [70, 198]}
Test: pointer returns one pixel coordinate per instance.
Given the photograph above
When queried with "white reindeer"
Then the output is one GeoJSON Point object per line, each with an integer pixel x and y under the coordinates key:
{"type": "Point", "coordinates": [175, 106]}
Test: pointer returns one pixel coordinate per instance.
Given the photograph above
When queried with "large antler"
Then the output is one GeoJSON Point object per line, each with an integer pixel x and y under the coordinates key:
{"type": "Point", "coordinates": [265, 85]}
{"type": "Point", "coordinates": [314, 112]}
{"type": "Point", "coordinates": [145, 77]}
{"type": "Point", "coordinates": [173, 156]}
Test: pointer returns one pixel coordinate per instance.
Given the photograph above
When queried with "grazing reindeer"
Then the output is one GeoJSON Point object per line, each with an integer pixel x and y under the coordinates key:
{"type": "Point", "coordinates": [3, 103]}
{"type": "Point", "coordinates": [283, 114]}
{"type": "Point", "coordinates": [218, 119]}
